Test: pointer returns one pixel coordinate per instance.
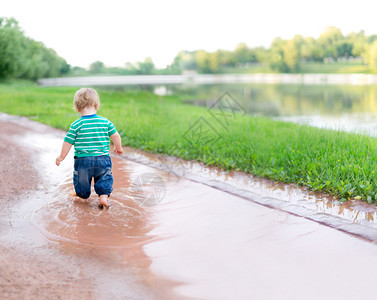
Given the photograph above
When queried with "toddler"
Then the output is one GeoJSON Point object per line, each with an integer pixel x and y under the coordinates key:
{"type": "Point", "coordinates": [90, 137]}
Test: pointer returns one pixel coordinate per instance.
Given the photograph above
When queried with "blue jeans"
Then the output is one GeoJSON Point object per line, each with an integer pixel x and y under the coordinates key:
{"type": "Point", "coordinates": [97, 167]}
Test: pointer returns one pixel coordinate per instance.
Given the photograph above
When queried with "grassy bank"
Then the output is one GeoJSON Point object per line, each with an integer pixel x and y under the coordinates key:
{"type": "Point", "coordinates": [339, 163]}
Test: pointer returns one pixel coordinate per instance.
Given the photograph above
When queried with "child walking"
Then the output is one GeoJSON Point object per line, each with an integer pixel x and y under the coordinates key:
{"type": "Point", "coordinates": [90, 137]}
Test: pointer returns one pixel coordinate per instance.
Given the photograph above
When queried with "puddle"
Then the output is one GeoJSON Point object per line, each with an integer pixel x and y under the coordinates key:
{"type": "Point", "coordinates": [261, 190]}
{"type": "Point", "coordinates": [68, 218]}
{"type": "Point", "coordinates": [108, 243]}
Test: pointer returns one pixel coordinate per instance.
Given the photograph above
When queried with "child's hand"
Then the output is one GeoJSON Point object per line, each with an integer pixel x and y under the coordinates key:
{"type": "Point", "coordinates": [65, 149]}
{"type": "Point", "coordinates": [59, 159]}
{"type": "Point", "coordinates": [118, 151]}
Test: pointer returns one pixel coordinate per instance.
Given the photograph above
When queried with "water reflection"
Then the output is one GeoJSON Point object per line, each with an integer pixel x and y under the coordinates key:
{"type": "Point", "coordinates": [344, 107]}
{"type": "Point", "coordinates": [350, 108]}
{"type": "Point", "coordinates": [289, 99]}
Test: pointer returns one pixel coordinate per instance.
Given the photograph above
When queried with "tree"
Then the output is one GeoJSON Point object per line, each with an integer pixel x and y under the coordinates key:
{"type": "Point", "coordinates": [35, 65]}
{"type": "Point", "coordinates": [261, 54]}
{"type": "Point", "coordinates": [329, 40]}
{"type": "Point", "coordinates": [291, 56]}
{"type": "Point", "coordinates": [372, 38]}
{"type": "Point", "coordinates": [11, 48]}
{"type": "Point", "coordinates": [311, 50]}
{"type": "Point", "coordinates": [146, 67]}
{"type": "Point", "coordinates": [242, 54]}
{"type": "Point", "coordinates": [202, 61]}
{"type": "Point", "coordinates": [226, 58]}
{"type": "Point", "coordinates": [372, 56]}
{"type": "Point", "coordinates": [185, 60]}
{"type": "Point", "coordinates": [65, 67]}
{"type": "Point", "coordinates": [359, 43]}
{"type": "Point", "coordinates": [277, 55]}
{"type": "Point", "coordinates": [343, 48]}
{"type": "Point", "coordinates": [284, 56]}
{"type": "Point", "coordinates": [97, 67]}
{"type": "Point", "coordinates": [214, 62]}
{"type": "Point", "coordinates": [22, 57]}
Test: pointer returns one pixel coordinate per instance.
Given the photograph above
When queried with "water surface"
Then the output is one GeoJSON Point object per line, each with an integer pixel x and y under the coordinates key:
{"type": "Point", "coordinates": [336, 106]}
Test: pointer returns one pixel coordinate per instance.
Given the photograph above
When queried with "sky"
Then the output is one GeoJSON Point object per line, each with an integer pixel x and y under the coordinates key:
{"type": "Point", "coordinates": [120, 31]}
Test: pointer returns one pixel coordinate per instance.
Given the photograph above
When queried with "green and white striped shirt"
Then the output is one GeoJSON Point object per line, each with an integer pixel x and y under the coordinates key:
{"type": "Point", "coordinates": [90, 135]}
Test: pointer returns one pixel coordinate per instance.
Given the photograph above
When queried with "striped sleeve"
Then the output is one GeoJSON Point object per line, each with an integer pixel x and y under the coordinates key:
{"type": "Point", "coordinates": [71, 135]}
{"type": "Point", "coordinates": [111, 128]}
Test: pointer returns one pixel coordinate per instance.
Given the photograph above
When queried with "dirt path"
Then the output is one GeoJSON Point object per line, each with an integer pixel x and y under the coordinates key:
{"type": "Point", "coordinates": [31, 275]}
{"type": "Point", "coordinates": [28, 268]}
{"type": "Point", "coordinates": [191, 240]}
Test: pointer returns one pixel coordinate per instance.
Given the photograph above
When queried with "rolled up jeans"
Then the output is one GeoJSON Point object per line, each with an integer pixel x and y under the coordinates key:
{"type": "Point", "coordinates": [92, 167]}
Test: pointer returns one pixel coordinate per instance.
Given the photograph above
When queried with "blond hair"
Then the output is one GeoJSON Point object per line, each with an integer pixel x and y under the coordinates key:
{"type": "Point", "coordinates": [86, 97]}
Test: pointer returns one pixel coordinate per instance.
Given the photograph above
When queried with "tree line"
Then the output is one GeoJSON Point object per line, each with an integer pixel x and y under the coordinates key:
{"type": "Point", "coordinates": [145, 67]}
{"type": "Point", "coordinates": [285, 56]}
{"type": "Point", "coordinates": [25, 58]}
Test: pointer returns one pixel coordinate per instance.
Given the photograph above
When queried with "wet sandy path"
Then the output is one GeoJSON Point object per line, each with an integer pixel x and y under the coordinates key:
{"type": "Point", "coordinates": [31, 266]}
{"type": "Point", "coordinates": [197, 242]}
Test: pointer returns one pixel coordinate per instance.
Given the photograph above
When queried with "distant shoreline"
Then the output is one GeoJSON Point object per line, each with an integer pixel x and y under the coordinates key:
{"type": "Point", "coordinates": [193, 78]}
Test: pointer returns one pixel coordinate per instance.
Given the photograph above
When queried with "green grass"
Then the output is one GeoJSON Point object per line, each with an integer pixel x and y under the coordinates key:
{"type": "Point", "coordinates": [308, 67]}
{"type": "Point", "coordinates": [335, 67]}
{"type": "Point", "coordinates": [342, 164]}
{"type": "Point", "coordinates": [257, 68]}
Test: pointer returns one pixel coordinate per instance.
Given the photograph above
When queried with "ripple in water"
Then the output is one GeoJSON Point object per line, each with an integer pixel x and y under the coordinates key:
{"type": "Point", "coordinates": [80, 221]}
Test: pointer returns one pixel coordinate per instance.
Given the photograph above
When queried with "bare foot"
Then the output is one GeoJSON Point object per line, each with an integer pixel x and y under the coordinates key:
{"type": "Point", "coordinates": [103, 201]}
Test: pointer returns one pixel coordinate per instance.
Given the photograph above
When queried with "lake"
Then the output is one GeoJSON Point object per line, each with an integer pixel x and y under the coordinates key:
{"type": "Point", "coordinates": [343, 107]}
{"type": "Point", "coordinates": [337, 101]}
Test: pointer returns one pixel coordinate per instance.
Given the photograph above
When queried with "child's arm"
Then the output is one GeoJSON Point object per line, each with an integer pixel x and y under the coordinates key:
{"type": "Point", "coordinates": [117, 143]}
{"type": "Point", "coordinates": [65, 149]}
